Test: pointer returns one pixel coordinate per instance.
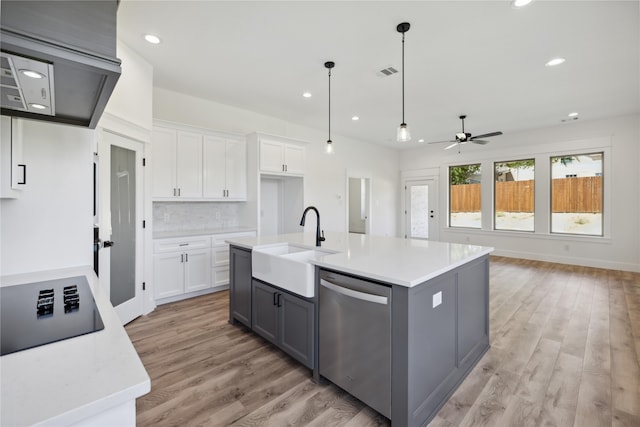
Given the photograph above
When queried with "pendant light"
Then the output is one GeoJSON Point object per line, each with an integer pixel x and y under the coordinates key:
{"type": "Point", "coordinates": [403, 134]}
{"type": "Point", "coordinates": [329, 65]}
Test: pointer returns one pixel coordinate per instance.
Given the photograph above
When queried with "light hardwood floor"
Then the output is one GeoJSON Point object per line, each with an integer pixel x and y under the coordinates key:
{"type": "Point", "coordinates": [565, 346]}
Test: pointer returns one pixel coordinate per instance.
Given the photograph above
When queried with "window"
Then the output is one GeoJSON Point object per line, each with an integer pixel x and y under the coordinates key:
{"type": "Point", "coordinates": [514, 195]}
{"type": "Point", "coordinates": [464, 196]}
{"type": "Point", "coordinates": [576, 194]}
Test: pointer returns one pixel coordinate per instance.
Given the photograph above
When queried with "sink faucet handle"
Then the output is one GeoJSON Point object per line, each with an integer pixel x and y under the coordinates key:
{"type": "Point", "coordinates": [322, 239]}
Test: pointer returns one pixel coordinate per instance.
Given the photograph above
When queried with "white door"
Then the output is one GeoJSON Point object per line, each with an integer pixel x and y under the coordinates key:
{"type": "Point", "coordinates": [214, 155]}
{"type": "Point", "coordinates": [121, 210]}
{"type": "Point", "coordinates": [189, 165]}
{"type": "Point", "coordinates": [421, 209]}
{"type": "Point", "coordinates": [164, 162]}
{"type": "Point", "coordinates": [236, 170]}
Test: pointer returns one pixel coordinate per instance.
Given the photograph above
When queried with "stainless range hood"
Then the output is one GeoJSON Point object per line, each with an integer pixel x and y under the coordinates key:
{"type": "Point", "coordinates": [71, 48]}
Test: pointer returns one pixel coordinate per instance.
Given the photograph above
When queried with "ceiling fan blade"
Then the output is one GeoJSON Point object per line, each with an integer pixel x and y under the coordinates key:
{"type": "Point", "coordinates": [439, 142]}
{"type": "Point", "coordinates": [451, 146]}
{"type": "Point", "coordinates": [479, 141]}
{"type": "Point", "coordinates": [486, 135]}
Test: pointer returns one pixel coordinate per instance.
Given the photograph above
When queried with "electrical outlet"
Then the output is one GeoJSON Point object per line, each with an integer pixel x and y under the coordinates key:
{"type": "Point", "coordinates": [167, 217]}
{"type": "Point", "coordinates": [437, 299]}
{"type": "Point", "coordinates": [217, 215]}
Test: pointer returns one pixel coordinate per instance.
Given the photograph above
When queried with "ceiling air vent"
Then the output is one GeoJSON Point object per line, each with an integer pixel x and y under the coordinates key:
{"type": "Point", "coordinates": [387, 71]}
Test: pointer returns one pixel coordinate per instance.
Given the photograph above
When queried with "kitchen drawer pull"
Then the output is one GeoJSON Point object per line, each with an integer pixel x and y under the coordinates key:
{"type": "Point", "coordinates": [354, 294]}
{"type": "Point", "coordinates": [183, 244]}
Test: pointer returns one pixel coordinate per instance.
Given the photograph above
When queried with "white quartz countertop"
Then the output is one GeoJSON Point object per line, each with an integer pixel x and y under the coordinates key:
{"type": "Point", "coordinates": [199, 232]}
{"type": "Point", "coordinates": [64, 382]}
{"type": "Point", "coordinates": [405, 262]}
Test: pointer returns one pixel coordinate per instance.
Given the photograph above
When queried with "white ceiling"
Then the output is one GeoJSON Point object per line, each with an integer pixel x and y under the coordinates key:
{"type": "Point", "coordinates": [480, 58]}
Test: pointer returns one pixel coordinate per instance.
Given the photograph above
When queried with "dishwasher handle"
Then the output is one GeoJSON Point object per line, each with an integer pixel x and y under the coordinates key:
{"type": "Point", "coordinates": [378, 299]}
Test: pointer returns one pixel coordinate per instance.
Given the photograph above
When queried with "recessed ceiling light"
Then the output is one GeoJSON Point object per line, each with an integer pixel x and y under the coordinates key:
{"type": "Point", "coordinates": [574, 114]}
{"type": "Point", "coordinates": [520, 3]}
{"type": "Point", "coordinates": [555, 61]}
{"type": "Point", "coordinates": [152, 39]}
{"type": "Point", "coordinates": [421, 140]}
{"type": "Point", "coordinates": [355, 118]}
{"type": "Point", "coordinates": [32, 74]}
{"type": "Point", "coordinates": [307, 94]}
{"type": "Point", "coordinates": [38, 106]}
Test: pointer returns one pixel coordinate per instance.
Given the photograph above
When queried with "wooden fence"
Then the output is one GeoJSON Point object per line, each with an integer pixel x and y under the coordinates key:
{"type": "Point", "coordinates": [582, 195]}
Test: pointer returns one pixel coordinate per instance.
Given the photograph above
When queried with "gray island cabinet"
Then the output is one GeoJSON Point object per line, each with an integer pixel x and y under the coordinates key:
{"type": "Point", "coordinates": [282, 318]}
{"type": "Point", "coordinates": [397, 323]}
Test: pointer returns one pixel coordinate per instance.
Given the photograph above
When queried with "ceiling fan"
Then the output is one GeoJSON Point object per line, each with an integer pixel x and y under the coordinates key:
{"type": "Point", "coordinates": [464, 137]}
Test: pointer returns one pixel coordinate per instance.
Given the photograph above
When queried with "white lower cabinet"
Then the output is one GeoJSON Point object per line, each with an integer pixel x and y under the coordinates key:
{"type": "Point", "coordinates": [181, 266]}
{"type": "Point", "coordinates": [220, 256]}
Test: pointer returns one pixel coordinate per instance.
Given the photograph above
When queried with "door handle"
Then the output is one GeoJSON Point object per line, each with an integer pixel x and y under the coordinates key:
{"type": "Point", "coordinates": [24, 175]}
{"type": "Point", "coordinates": [107, 243]}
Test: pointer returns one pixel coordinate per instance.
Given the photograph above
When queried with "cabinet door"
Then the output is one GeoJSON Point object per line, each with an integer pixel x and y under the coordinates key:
{"type": "Point", "coordinates": [295, 328]}
{"type": "Point", "coordinates": [189, 164]}
{"type": "Point", "coordinates": [214, 167]}
{"type": "Point", "coordinates": [168, 273]}
{"type": "Point", "coordinates": [294, 159]}
{"type": "Point", "coordinates": [197, 270]}
{"type": "Point", "coordinates": [265, 311]}
{"type": "Point", "coordinates": [236, 170]}
{"type": "Point", "coordinates": [271, 156]}
{"type": "Point", "coordinates": [163, 146]}
{"type": "Point", "coordinates": [240, 286]}
{"type": "Point", "coordinates": [220, 256]}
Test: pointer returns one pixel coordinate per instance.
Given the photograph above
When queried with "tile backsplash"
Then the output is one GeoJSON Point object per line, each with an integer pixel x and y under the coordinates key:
{"type": "Point", "coordinates": [181, 216]}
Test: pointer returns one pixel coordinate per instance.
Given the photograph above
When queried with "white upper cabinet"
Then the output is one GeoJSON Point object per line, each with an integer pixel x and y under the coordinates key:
{"type": "Point", "coordinates": [164, 147]}
{"type": "Point", "coordinates": [189, 165]}
{"type": "Point", "coordinates": [198, 164]}
{"type": "Point", "coordinates": [177, 164]}
{"type": "Point", "coordinates": [224, 168]}
{"type": "Point", "coordinates": [13, 172]}
{"type": "Point", "coordinates": [281, 157]}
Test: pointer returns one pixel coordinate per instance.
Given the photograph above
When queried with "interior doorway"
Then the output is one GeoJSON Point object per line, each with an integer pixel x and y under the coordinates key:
{"type": "Point", "coordinates": [121, 208]}
{"type": "Point", "coordinates": [359, 209]}
{"type": "Point", "coordinates": [421, 209]}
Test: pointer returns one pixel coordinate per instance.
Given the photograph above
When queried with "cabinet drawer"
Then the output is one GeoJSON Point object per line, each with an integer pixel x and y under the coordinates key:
{"type": "Point", "coordinates": [220, 276]}
{"type": "Point", "coordinates": [181, 244]}
{"type": "Point", "coordinates": [220, 256]}
{"type": "Point", "coordinates": [219, 239]}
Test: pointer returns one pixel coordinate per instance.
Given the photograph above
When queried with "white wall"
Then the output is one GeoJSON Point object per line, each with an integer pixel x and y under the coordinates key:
{"type": "Point", "coordinates": [50, 225]}
{"type": "Point", "coordinates": [131, 99]}
{"type": "Point", "coordinates": [326, 176]}
{"type": "Point", "coordinates": [620, 139]}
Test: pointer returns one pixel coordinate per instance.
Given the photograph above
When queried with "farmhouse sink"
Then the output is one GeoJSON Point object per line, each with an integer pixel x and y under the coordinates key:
{"type": "Point", "coordinates": [287, 266]}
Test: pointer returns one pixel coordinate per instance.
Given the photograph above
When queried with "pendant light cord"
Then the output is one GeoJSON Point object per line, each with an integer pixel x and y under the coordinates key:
{"type": "Point", "coordinates": [329, 140]}
{"type": "Point", "coordinates": [403, 78]}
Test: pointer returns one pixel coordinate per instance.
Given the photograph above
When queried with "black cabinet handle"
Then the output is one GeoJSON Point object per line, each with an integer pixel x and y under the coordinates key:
{"type": "Point", "coordinates": [24, 174]}
{"type": "Point", "coordinates": [274, 298]}
{"type": "Point", "coordinates": [279, 304]}
{"type": "Point", "coordinates": [107, 244]}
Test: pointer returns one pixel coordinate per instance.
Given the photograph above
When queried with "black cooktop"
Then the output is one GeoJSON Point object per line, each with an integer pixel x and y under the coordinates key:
{"type": "Point", "coordinates": [40, 313]}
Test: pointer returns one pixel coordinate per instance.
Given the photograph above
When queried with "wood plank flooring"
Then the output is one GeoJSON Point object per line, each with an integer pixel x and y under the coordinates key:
{"type": "Point", "coordinates": [565, 347]}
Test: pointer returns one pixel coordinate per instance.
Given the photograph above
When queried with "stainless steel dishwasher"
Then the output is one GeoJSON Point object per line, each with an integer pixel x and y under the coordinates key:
{"type": "Point", "coordinates": [355, 338]}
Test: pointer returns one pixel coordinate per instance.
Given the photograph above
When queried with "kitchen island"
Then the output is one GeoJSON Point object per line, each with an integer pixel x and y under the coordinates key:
{"type": "Point", "coordinates": [397, 323]}
{"type": "Point", "coordinates": [88, 380]}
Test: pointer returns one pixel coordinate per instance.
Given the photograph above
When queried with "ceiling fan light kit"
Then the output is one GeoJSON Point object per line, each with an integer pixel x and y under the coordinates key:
{"type": "Point", "coordinates": [403, 133]}
{"type": "Point", "coordinates": [464, 137]}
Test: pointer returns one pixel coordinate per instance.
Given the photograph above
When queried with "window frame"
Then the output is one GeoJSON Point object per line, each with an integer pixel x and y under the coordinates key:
{"type": "Point", "coordinates": [495, 198]}
{"type": "Point", "coordinates": [449, 185]}
{"type": "Point", "coordinates": [603, 199]}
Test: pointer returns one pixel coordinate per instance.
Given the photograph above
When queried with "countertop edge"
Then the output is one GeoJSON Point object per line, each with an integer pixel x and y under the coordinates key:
{"type": "Point", "coordinates": [136, 383]}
